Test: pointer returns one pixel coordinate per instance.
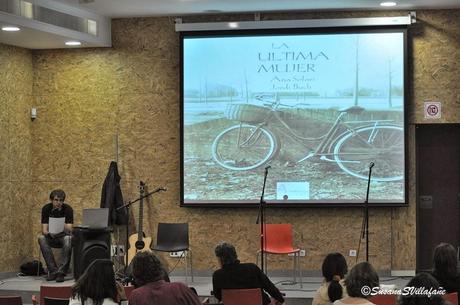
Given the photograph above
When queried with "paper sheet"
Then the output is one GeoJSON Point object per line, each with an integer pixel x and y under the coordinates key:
{"type": "Point", "coordinates": [56, 225]}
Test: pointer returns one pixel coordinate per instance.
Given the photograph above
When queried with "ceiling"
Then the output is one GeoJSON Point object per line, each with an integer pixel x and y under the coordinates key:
{"type": "Point", "coordinates": [34, 35]}
{"type": "Point", "coordinates": [138, 8]}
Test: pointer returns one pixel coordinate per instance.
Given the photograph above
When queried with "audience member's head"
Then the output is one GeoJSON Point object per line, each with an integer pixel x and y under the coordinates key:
{"type": "Point", "coordinates": [226, 254]}
{"type": "Point", "coordinates": [445, 261]}
{"type": "Point", "coordinates": [334, 269]}
{"type": "Point", "coordinates": [147, 268]}
{"type": "Point", "coordinates": [363, 274]}
{"type": "Point", "coordinates": [422, 280]}
{"type": "Point", "coordinates": [96, 283]}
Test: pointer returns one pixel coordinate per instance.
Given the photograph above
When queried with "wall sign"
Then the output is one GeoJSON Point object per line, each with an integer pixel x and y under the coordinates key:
{"type": "Point", "coordinates": [432, 110]}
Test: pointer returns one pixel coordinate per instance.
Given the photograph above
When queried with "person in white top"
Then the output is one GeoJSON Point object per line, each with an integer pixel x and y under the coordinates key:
{"type": "Point", "coordinates": [97, 286]}
{"type": "Point", "coordinates": [361, 275]}
{"type": "Point", "coordinates": [333, 288]}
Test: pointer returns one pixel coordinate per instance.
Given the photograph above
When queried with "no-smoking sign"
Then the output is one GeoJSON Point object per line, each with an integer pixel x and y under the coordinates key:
{"type": "Point", "coordinates": [432, 110]}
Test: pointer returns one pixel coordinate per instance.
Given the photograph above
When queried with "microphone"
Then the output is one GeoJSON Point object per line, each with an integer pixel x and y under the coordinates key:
{"type": "Point", "coordinates": [141, 186]}
{"type": "Point", "coordinates": [371, 165]}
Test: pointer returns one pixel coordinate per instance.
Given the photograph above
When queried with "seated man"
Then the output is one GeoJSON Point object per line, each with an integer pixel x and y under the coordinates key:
{"type": "Point", "coordinates": [56, 209]}
{"type": "Point", "coordinates": [152, 289]}
{"type": "Point", "coordinates": [233, 275]}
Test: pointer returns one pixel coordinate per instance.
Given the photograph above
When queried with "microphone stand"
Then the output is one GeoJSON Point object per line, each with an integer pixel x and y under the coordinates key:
{"type": "Point", "coordinates": [260, 217]}
{"type": "Point", "coordinates": [365, 225]}
{"type": "Point", "coordinates": [127, 206]}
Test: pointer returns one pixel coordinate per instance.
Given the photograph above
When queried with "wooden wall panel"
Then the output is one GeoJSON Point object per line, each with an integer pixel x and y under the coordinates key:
{"type": "Point", "coordinates": [5, 100]}
{"type": "Point", "coordinates": [436, 57]}
{"type": "Point", "coordinates": [73, 136]}
{"type": "Point", "coordinates": [16, 99]}
{"type": "Point", "coordinates": [76, 71]}
{"type": "Point", "coordinates": [403, 220]}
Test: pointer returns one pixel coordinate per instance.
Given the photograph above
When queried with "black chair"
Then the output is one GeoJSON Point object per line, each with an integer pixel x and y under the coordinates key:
{"type": "Point", "coordinates": [56, 301]}
{"type": "Point", "coordinates": [174, 237]}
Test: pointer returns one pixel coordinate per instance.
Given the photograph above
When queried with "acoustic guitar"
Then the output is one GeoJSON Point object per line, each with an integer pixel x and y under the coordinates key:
{"type": "Point", "coordinates": [139, 242]}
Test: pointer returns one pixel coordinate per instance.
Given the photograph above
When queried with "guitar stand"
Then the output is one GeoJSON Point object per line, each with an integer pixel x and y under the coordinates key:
{"type": "Point", "coordinates": [127, 276]}
{"type": "Point", "coordinates": [116, 257]}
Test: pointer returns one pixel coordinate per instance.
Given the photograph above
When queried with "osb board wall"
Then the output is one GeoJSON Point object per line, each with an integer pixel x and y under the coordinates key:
{"type": "Point", "coordinates": [436, 52]}
{"type": "Point", "coordinates": [87, 97]}
{"type": "Point", "coordinates": [15, 156]}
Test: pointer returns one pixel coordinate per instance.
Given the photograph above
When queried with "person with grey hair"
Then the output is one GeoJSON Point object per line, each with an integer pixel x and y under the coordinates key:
{"type": "Point", "coordinates": [152, 289]}
{"type": "Point", "coordinates": [361, 275]}
{"type": "Point", "coordinates": [235, 275]}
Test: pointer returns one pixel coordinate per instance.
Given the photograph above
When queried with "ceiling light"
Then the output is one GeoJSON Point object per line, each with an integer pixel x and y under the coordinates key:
{"type": "Point", "coordinates": [10, 28]}
{"type": "Point", "coordinates": [388, 3]}
{"type": "Point", "coordinates": [72, 43]}
{"type": "Point", "coordinates": [233, 25]}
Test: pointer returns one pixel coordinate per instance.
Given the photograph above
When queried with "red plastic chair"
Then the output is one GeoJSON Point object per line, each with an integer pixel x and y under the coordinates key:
{"type": "Point", "coordinates": [128, 290]}
{"type": "Point", "coordinates": [279, 240]}
{"type": "Point", "coordinates": [251, 296]}
{"type": "Point", "coordinates": [383, 299]}
{"type": "Point", "coordinates": [451, 298]}
{"type": "Point", "coordinates": [56, 301]}
{"type": "Point", "coordinates": [61, 292]}
{"type": "Point", "coordinates": [10, 300]}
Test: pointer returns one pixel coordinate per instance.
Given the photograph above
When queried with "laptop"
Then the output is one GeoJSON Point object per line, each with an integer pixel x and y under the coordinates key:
{"type": "Point", "coordinates": [95, 218]}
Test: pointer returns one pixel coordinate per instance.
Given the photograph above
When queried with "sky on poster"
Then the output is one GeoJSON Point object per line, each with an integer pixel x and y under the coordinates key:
{"type": "Point", "coordinates": [324, 63]}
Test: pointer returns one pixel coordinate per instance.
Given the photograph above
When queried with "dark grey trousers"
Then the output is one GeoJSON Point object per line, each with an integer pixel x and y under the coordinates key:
{"type": "Point", "coordinates": [65, 243]}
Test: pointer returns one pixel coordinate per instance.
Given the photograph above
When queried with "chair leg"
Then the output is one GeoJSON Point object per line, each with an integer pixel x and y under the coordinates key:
{"type": "Point", "coordinates": [299, 265]}
{"type": "Point", "coordinates": [294, 268]}
{"type": "Point", "coordinates": [297, 269]}
{"type": "Point", "coordinates": [264, 267]}
{"type": "Point", "coordinates": [265, 263]}
{"type": "Point", "coordinates": [186, 265]}
{"type": "Point", "coordinates": [191, 263]}
{"type": "Point", "coordinates": [39, 260]}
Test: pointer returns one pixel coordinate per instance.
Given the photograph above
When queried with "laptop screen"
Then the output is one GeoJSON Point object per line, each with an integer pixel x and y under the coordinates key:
{"type": "Point", "coordinates": [95, 218]}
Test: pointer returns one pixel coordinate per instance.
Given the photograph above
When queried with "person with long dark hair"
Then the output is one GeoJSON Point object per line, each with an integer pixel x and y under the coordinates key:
{"type": "Point", "coordinates": [361, 275]}
{"type": "Point", "coordinates": [236, 275]}
{"type": "Point", "coordinates": [334, 269]}
{"type": "Point", "coordinates": [422, 280]}
{"type": "Point", "coordinates": [445, 267]}
{"type": "Point", "coordinates": [97, 285]}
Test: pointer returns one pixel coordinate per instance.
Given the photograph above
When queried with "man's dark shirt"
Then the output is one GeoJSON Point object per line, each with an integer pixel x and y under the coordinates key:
{"type": "Point", "coordinates": [244, 276]}
{"type": "Point", "coordinates": [65, 211]}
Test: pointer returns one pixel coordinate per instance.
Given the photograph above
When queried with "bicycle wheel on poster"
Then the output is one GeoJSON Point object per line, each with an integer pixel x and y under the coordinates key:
{"type": "Point", "coordinates": [244, 147]}
{"type": "Point", "coordinates": [383, 145]}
